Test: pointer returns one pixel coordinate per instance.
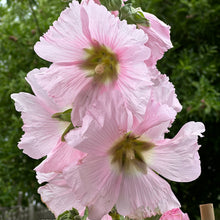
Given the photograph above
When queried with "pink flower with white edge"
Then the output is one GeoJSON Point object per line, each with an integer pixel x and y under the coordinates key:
{"type": "Point", "coordinates": [124, 160]}
{"type": "Point", "coordinates": [174, 214]}
{"type": "Point", "coordinates": [45, 122]}
{"type": "Point", "coordinates": [159, 38]}
{"type": "Point", "coordinates": [93, 52]}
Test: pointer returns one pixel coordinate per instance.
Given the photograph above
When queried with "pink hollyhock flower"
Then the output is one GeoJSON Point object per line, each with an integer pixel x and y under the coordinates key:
{"type": "Point", "coordinates": [43, 123]}
{"type": "Point", "coordinates": [124, 160]}
{"type": "Point", "coordinates": [174, 214]}
{"type": "Point", "coordinates": [93, 52]}
{"type": "Point", "coordinates": [158, 38]}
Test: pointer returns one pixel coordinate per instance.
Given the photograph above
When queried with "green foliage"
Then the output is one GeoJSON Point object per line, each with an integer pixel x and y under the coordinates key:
{"type": "Point", "coordinates": [112, 5]}
{"type": "Point", "coordinates": [133, 15]}
{"type": "Point", "coordinates": [73, 215]}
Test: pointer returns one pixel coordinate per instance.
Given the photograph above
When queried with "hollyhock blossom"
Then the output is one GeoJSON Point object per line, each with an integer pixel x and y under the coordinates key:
{"type": "Point", "coordinates": [45, 122]}
{"type": "Point", "coordinates": [124, 160]}
{"type": "Point", "coordinates": [94, 52]}
{"type": "Point", "coordinates": [174, 214]}
{"type": "Point", "coordinates": [158, 36]}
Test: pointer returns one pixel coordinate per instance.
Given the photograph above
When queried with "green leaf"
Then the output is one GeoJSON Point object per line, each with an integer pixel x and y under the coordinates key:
{"type": "Point", "coordinates": [69, 215]}
{"type": "Point", "coordinates": [112, 5]}
{"type": "Point", "coordinates": [63, 116]}
{"type": "Point", "coordinates": [85, 214]}
{"type": "Point", "coordinates": [156, 217]}
{"type": "Point", "coordinates": [133, 15]}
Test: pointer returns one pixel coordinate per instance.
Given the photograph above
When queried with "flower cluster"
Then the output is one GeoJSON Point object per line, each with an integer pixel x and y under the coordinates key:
{"type": "Point", "coordinates": [99, 114]}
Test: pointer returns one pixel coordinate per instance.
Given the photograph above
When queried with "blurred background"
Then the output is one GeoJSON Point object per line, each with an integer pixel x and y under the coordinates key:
{"type": "Point", "coordinates": [193, 66]}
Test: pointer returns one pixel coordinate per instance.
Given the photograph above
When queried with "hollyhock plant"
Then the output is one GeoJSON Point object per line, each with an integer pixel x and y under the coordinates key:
{"type": "Point", "coordinates": [45, 122]}
{"type": "Point", "coordinates": [93, 52]}
{"type": "Point", "coordinates": [174, 214]}
{"type": "Point", "coordinates": [124, 160]}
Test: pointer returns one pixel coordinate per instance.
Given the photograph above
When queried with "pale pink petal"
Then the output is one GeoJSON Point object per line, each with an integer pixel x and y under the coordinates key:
{"type": "Point", "coordinates": [163, 92]}
{"type": "Point", "coordinates": [45, 177]}
{"type": "Point", "coordinates": [142, 196]}
{"type": "Point", "coordinates": [59, 197]}
{"type": "Point", "coordinates": [60, 157]}
{"type": "Point", "coordinates": [106, 120]}
{"type": "Point", "coordinates": [82, 102]}
{"type": "Point", "coordinates": [63, 83]}
{"type": "Point", "coordinates": [47, 102]}
{"type": "Point", "coordinates": [174, 214]}
{"type": "Point", "coordinates": [159, 38]}
{"type": "Point", "coordinates": [93, 137]}
{"type": "Point", "coordinates": [112, 32]}
{"type": "Point", "coordinates": [99, 187]}
{"type": "Point", "coordinates": [65, 40]}
{"type": "Point", "coordinates": [155, 115]}
{"type": "Point", "coordinates": [42, 132]}
{"type": "Point", "coordinates": [106, 217]}
{"type": "Point", "coordinates": [177, 159]}
{"type": "Point", "coordinates": [135, 87]}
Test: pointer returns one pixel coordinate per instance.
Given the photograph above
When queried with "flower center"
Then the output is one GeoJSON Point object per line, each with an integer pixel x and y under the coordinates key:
{"type": "Point", "coordinates": [127, 155]}
{"type": "Point", "coordinates": [101, 64]}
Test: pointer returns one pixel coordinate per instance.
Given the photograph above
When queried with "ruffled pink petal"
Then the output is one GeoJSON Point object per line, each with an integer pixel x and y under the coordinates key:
{"type": "Point", "coordinates": [174, 214]}
{"type": "Point", "coordinates": [59, 197]}
{"type": "Point", "coordinates": [163, 92]}
{"type": "Point", "coordinates": [37, 142]}
{"type": "Point", "coordinates": [177, 159]}
{"type": "Point", "coordinates": [142, 196]}
{"type": "Point", "coordinates": [99, 187]}
{"type": "Point", "coordinates": [135, 86]}
{"type": "Point", "coordinates": [93, 137]}
{"type": "Point", "coordinates": [47, 102]}
{"type": "Point", "coordinates": [45, 177]}
{"type": "Point", "coordinates": [155, 115]}
{"type": "Point", "coordinates": [112, 32]}
{"type": "Point", "coordinates": [65, 40]}
{"type": "Point", "coordinates": [60, 157]}
{"type": "Point", "coordinates": [159, 38]}
{"type": "Point", "coordinates": [106, 120]}
{"type": "Point", "coordinates": [63, 83]}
